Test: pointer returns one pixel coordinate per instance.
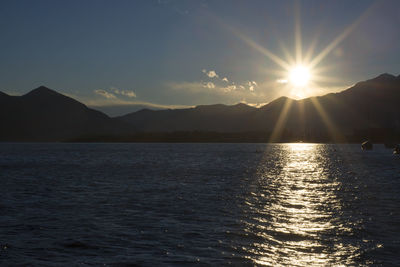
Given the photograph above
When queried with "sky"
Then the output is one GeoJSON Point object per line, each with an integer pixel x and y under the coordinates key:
{"type": "Point", "coordinates": [169, 53]}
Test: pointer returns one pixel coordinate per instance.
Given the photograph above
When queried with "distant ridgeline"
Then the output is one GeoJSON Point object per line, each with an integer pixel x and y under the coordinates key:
{"type": "Point", "coordinates": [370, 109]}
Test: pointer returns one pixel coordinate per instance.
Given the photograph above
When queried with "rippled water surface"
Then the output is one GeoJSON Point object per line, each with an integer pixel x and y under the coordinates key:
{"type": "Point", "coordinates": [206, 204]}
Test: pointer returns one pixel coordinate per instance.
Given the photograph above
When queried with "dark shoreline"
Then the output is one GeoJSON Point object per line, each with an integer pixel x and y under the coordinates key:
{"type": "Point", "coordinates": [213, 137]}
{"type": "Point", "coordinates": [387, 137]}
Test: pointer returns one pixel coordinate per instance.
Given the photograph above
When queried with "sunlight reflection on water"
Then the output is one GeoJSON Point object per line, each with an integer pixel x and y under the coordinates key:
{"type": "Point", "coordinates": [303, 208]}
{"type": "Point", "coordinates": [187, 204]}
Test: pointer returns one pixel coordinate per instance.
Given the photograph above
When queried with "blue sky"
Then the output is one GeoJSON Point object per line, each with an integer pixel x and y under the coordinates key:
{"type": "Point", "coordinates": [177, 53]}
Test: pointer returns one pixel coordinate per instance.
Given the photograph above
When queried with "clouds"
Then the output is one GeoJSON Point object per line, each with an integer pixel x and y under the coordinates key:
{"type": "Point", "coordinates": [211, 73]}
{"type": "Point", "coordinates": [128, 103]}
{"type": "Point", "coordinates": [114, 92]}
{"type": "Point", "coordinates": [224, 84]}
{"type": "Point", "coordinates": [252, 85]}
{"type": "Point", "coordinates": [116, 102]}
{"type": "Point", "coordinates": [229, 88]}
{"type": "Point", "coordinates": [216, 87]}
{"type": "Point", "coordinates": [105, 94]}
{"type": "Point", "coordinates": [127, 93]}
{"type": "Point", "coordinates": [209, 85]}
{"type": "Point", "coordinates": [216, 92]}
{"type": "Point", "coordinates": [118, 107]}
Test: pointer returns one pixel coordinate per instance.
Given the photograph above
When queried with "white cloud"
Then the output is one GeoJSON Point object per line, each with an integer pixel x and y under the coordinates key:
{"type": "Point", "coordinates": [210, 74]}
{"type": "Point", "coordinates": [249, 90]}
{"type": "Point", "coordinates": [127, 93]}
{"type": "Point", "coordinates": [228, 93]}
{"type": "Point", "coordinates": [232, 90]}
{"type": "Point", "coordinates": [105, 94]}
{"type": "Point", "coordinates": [229, 88]}
{"type": "Point", "coordinates": [120, 102]}
{"type": "Point", "coordinates": [210, 85]}
{"type": "Point", "coordinates": [252, 85]}
{"type": "Point", "coordinates": [115, 90]}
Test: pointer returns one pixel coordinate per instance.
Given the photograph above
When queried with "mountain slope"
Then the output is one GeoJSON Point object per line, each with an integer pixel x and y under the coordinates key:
{"type": "Point", "coordinates": [368, 109]}
{"type": "Point", "coordinates": [45, 115]}
{"type": "Point", "coordinates": [218, 117]}
{"type": "Point", "coordinates": [371, 104]}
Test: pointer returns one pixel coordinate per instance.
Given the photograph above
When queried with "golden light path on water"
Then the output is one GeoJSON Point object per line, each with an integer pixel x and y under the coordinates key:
{"type": "Point", "coordinates": [295, 211]}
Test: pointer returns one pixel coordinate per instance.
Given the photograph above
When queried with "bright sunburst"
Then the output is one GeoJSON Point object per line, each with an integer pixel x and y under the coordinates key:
{"type": "Point", "coordinates": [299, 76]}
{"type": "Point", "coordinates": [299, 73]}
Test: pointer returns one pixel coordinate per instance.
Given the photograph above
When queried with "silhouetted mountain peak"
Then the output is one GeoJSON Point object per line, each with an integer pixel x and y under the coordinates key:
{"type": "Point", "coordinates": [43, 95]}
{"type": "Point", "coordinates": [42, 87]}
{"type": "Point", "coordinates": [42, 90]}
{"type": "Point", "coordinates": [46, 115]}
{"type": "Point", "coordinates": [385, 77]}
{"type": "Point", "coordinates": [223, 108]}
{"type": "Point", "coordinates": [279, 101]}
{"type": "Point", "coordinates": [241, 105]}
{"type": "Point", "coordinates": [215, 106]}
{"type": "Point", "coordinates": [143, 110]}
{"type": "Point", "coordinates": [282, 99]}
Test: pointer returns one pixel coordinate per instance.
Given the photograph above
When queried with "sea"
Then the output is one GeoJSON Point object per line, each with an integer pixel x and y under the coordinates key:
{"type": "Point", "coordinates": [154, 204]}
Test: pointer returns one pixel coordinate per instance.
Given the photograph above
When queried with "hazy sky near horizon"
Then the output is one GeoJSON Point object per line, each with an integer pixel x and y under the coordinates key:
{"type": "Point", "coordinates": [170, 52]}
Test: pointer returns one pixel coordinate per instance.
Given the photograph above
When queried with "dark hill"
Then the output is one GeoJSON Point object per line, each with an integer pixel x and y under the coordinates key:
{"type": "Point", "coordinates": [220, 118]}
{"type": "Point", "coordinates": [366, 108]}
{"type": "Point", "coordinates": [45, 115]}
{"type": "Point", "coordinates": [369, 109]}
{"type": "Point", "coordinates": [3, 95]}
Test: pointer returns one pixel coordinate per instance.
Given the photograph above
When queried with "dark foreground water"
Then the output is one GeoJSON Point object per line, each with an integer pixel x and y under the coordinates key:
{"type": "Point", "coordinates": [205, 204]}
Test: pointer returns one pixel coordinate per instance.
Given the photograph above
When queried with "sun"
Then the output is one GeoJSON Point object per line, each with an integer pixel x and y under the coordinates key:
{"type": "Point", "coordinates": [299, 75]}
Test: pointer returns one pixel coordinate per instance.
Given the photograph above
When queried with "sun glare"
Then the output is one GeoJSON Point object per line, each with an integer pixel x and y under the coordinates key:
{"type": "Point", "coordinates": [299, 76]}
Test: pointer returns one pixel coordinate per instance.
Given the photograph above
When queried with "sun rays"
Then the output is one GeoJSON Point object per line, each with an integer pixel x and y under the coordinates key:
{"type": "Point", "coordinates": [299, 74]}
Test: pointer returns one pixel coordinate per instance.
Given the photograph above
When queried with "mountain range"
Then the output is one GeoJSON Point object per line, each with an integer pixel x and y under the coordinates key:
{"type": "Point", "coordinates": [369, 109]}
{"type": "Point", "coordinates": [45, 115]}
